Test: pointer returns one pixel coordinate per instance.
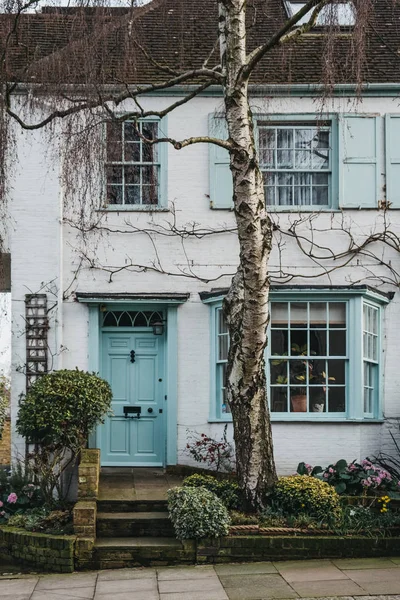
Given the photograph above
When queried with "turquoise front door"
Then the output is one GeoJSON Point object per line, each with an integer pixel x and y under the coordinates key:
{"type": "Point", "coordinates": [133, 365]}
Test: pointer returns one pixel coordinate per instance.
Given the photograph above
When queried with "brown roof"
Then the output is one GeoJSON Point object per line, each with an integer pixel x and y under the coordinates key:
{"type": "Point", "coordinates": [112, 46]}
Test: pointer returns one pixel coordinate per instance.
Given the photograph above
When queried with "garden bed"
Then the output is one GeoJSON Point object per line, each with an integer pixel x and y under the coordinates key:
{"type": "Point", "coordinates": [42, 551]}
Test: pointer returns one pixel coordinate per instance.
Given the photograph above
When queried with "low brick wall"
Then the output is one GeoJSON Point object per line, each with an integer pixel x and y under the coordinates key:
{"type": "Point", "coordinates": [259, 548]}
{"type": "Point", "coordinates": [44, 552]}
{"type": "Point", "coordinates": [5, 444]}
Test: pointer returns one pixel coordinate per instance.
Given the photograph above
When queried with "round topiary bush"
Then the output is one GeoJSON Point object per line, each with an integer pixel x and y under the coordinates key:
{"type": "Point", "coordinates": [197, 513]}
{"type": "Point", "coordinates": [304, 494]}
{"type": "Point", "coordinates": [63, 407]}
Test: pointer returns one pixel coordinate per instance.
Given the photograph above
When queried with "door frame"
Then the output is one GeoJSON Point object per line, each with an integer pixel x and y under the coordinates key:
{"type": "Point", "coordinates": [170, 366]}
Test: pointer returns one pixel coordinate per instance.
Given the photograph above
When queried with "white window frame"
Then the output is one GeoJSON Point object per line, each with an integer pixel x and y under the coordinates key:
{"type": "Point", "coordinates": [345, 13]}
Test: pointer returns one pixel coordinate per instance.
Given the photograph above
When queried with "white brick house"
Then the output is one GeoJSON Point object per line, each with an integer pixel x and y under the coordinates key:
{"type": "Point", "coordinates": [141, 305]}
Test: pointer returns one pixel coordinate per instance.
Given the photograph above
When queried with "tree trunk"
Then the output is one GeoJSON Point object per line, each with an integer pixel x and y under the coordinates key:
{"type": "Point", "coordinates": [246, 305]}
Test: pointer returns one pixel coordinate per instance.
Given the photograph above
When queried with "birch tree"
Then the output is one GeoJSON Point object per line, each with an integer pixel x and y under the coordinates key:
{"type": "Point", "coordinates": [64, 97]}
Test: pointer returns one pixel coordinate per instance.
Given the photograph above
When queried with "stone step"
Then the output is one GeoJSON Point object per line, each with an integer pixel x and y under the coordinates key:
{"type": "Point", "coordinates": [129, 506]}
{"type": "Point", "coordinates": [117, 553]}
{"type": "Point", "coordinates": [134, 524]}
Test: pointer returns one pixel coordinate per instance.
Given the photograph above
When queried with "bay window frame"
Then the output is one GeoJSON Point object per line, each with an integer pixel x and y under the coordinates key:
{"type": "Point", "coordinates": [355, 298]}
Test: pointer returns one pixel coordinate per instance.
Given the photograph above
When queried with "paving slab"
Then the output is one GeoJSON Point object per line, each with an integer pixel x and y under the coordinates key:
{"type": "Point", "coordinates": [204, 585]}
{"type": "Point", "coordinates": [16, 597]}
{"type": "Point", "coordinates": [120, 574]}
{"type": "Point", "coordinates": [126, 585]}
{"type": "Point", "coordinates": [259, 585]}
{"type": "Point", "coordinates": [245, 568]}
{"type": "Point", "coordinates": [17, 586]}
{"type": "Point", "coordinates": [75, 580]}
{"type": "Point", "coordinates": [319, 589]}
{"type": "Point", "coordinates": [310, 573]}
{"type": "Point", "coordinates": [64, 594]}
{"type": "Point", "coordinates": [362, 576]}
{"type": "Point", "coordinates": [211, 595]}
{"type": "Point", "coordinates": [281, 565]}
{"type": "Point", "coordinates": [365, 563]}
{"type": "Point", "coordinates": [381, 587]}
{"type": "Point", "coordinates": [193, 573]}
{"type": "Point", "coordinates": [139, 595]}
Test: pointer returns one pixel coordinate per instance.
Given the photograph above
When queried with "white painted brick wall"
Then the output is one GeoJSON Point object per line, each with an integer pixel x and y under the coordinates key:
{"type": "Point", "coordinates": [35, 240]}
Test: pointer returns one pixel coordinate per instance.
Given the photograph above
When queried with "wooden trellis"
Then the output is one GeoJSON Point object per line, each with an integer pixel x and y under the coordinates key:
{"type": "Point", "coordinates": [37, 325]}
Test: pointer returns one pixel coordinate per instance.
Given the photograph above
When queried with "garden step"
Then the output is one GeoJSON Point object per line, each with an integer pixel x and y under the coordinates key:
{"type": "Point", "coordinates": [129, 506]}
{"type": "Point", "coordinates": [115, 553]}
{"type": "Point", "coordinates": [127, 524]}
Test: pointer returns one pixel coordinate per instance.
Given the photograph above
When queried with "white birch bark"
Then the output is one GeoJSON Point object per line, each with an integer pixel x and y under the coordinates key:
{"type": "Point", "coordinates": [246, 305]}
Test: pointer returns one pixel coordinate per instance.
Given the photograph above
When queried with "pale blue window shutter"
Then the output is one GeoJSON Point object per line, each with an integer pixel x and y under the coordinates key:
{"type": "Point", "coordinates": [359, 161]}
{"type": "Point", "coordinates": [221, 187]}
{"type": "Point", "coordinates": [393, 160]}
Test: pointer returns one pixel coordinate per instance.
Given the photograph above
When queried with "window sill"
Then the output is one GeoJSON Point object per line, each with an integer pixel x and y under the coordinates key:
{"type": "Point", "coordinates": [125, 209]}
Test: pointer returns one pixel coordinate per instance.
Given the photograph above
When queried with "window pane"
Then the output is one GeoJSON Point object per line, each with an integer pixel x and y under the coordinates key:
{"type": "Point", "coordinates": [285, 138]}
{"type": "Point", "coordinates": [114, 142]}
{"type": "Point", "coordinates": [317, 314]}
{"type": "Point", "coordinates": [132, 194]}
{"type": "Point", "coordinates": [318, 342]}
{"type": "Point", "coordinates": [298, 400]}
{"type": "Point", "coordinates": [317, 400]}
{"type": "Point", "coordinates": [114, 194]}
{"type": "Point", "coordinates": [149, 194]}
{"type": "Point", "coordinates": [114, 174]}
{"type": "Point", "coordinates": [320, 196]}
{"type": "Point", "coordinates": [130, 132]}
{"type": "Point", "coordinates": [317, 372]}
{"type": "Point", "coordinates": [279, 371]}
{"type": "Point", "coordinates": [279, 314]}
{"type": "Point", "coordinates": [132, 153]}
{"type": "Point", "coordinates": [298, 314]}
{"type": "Point", "coordinates": [336, 399]}
{"type": "Point", "coordinates": [337, 314]}
{"type": "Point", "coordinates": [302, 159]}
{"type": "Point", "coordinates": [132, 175]}
{"type": "Point", "coordinates": [284, 196]}
{"type": "Point", "coordinates": [222, 324]}
{"type": "Point", "coordinates": [279, 399]}
{"type": "Point", "coordinates": [150, 175]}
{"type": "Point", "coordinates": [284, 159]}
{"type": "Point", "coordinates": [337, 343]}
{"type": "Point", "coordinates": [279, 342]}
{"type": "Point", "coordinates": [336, 372]}
{"type": "Point", "coordinates": [302, 196]}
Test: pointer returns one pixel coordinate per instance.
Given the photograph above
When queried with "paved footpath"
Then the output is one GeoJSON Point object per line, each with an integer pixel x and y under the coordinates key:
{"type": "Point", "coordinates": [362, 579]}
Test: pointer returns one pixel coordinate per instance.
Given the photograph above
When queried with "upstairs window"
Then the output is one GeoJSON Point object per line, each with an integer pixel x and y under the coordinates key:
{"type": "Point", "coordinates": [295, 159]}
{"type": "Point", "coordinates": [340, 13]}
{"type": "Point", "coordinates": [133, 166]}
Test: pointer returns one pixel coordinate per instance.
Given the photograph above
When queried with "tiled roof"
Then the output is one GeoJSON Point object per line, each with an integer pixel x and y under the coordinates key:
{"type": "Point", "coordinates": [63, 46]}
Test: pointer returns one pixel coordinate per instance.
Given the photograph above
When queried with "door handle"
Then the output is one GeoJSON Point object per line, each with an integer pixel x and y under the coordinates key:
{"type": "Point", "coordinates": [133, 354]}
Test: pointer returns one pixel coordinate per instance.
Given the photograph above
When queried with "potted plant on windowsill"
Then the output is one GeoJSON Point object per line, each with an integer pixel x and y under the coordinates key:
{"type": "Point", "coordinates": [298, 374]}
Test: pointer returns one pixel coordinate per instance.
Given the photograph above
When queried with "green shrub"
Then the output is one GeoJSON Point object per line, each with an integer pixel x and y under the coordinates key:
{"type": "Point", "coordinates": [228, 491]}
{"type": "Point", "coordinates": [302, 494]}
{"type": "Point", "coordinates": [58, 413]}
{"type": "Point", "coordinates": [64, 407]}
{"type": "Point", "coordinates": [241, 518]}
{"type": "Point", "coordinates": [197, 513]}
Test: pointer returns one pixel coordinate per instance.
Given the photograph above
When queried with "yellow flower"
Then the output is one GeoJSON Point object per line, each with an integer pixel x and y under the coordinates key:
{"type": "Point", "coordinates": [383, 510]}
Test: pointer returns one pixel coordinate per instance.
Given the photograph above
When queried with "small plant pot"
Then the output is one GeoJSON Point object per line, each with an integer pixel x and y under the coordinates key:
{"type": "Point", "coordinates": [299, 403]}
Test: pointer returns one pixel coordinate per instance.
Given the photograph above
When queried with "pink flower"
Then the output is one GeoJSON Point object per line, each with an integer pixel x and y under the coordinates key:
{"type": "Point", "coordinates": [12, 498]}
{"type": "Point", "coordinates": [1, 504]}
{"type": "Point", "coordinates": [330, 470]}
{"type": "Point", "coordinates": [2, 513]}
